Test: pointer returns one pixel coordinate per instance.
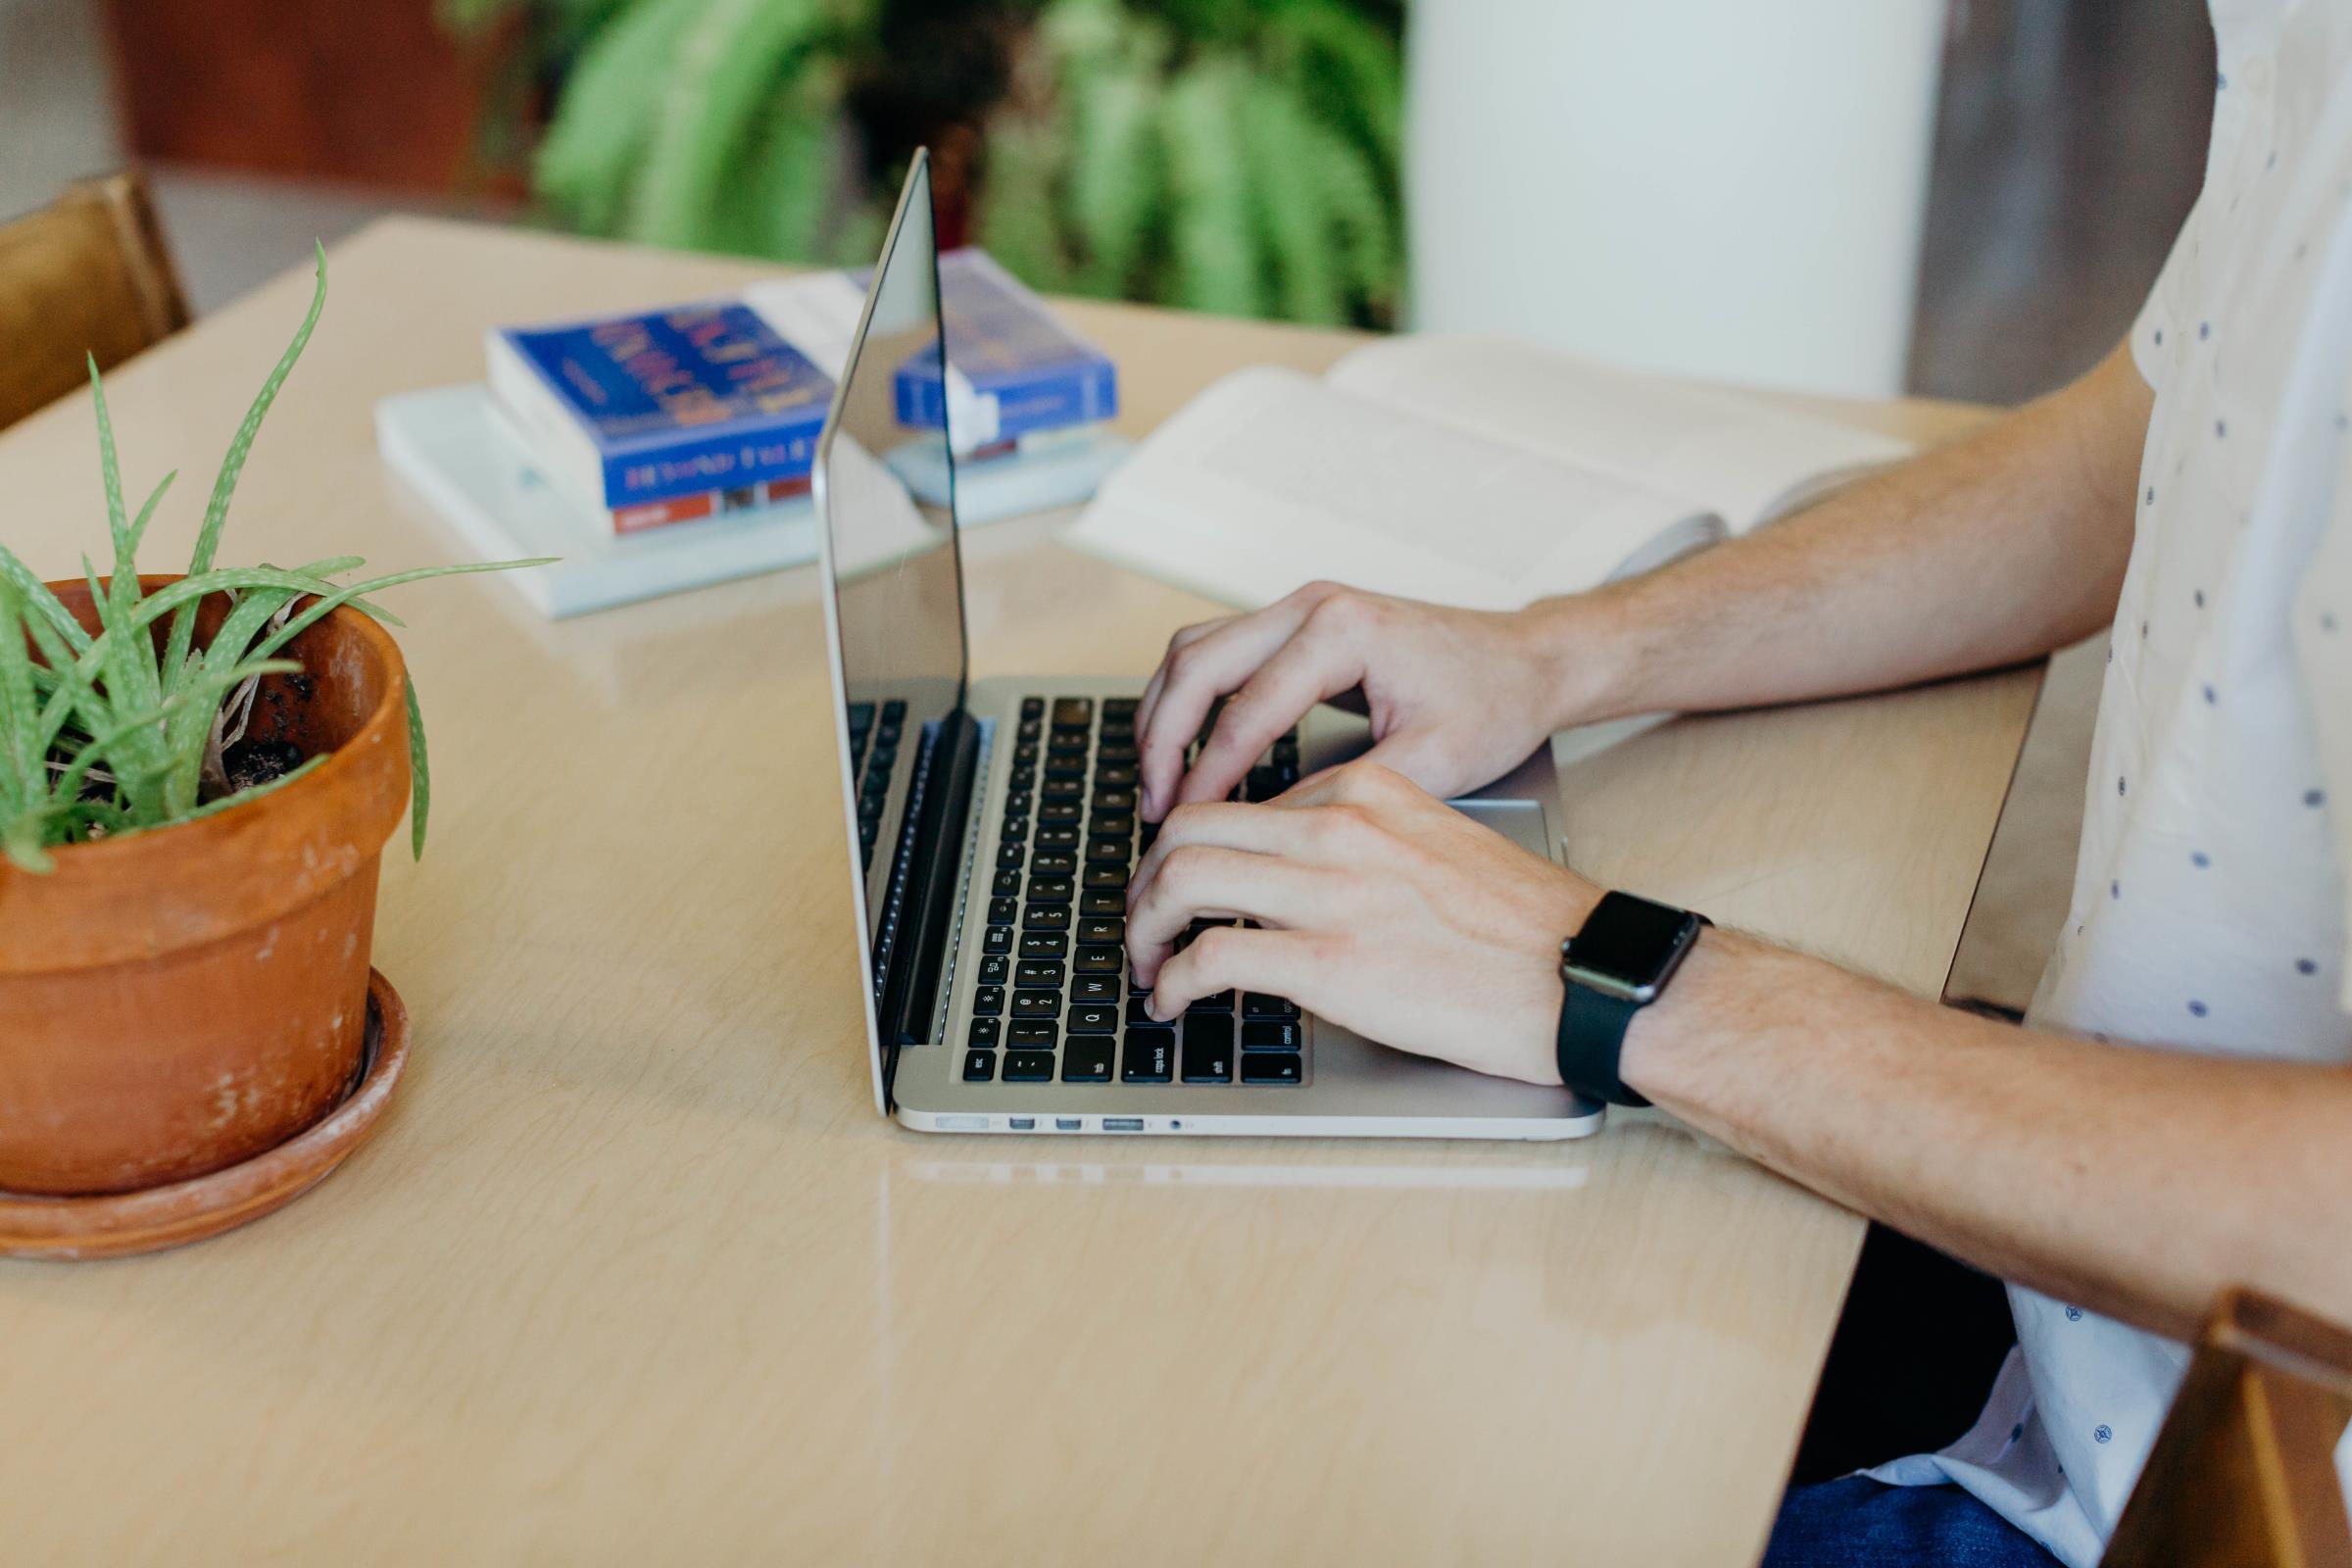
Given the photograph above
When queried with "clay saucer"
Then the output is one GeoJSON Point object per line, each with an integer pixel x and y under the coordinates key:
{"type": "Point", "coordinates": [121, 1224]}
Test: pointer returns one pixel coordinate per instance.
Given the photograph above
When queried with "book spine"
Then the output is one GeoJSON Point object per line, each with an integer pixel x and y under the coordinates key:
{"type": "Point", "coordinates": [1081, 391]}
{"type": "Point", "coordinates": [653, 514]}
{"type": "Point", "coordinates": [687, 467]}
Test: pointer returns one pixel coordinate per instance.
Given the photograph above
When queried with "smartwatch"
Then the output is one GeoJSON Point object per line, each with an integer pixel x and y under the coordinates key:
{"type": "Point", "coordinates": [1611, 970]}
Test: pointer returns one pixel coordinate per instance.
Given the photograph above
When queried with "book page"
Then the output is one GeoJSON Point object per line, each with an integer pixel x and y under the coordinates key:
{"type": "Point", "coordinates": [1271, 480]}
{"type": "Point", "coordinates": [1732, 455]}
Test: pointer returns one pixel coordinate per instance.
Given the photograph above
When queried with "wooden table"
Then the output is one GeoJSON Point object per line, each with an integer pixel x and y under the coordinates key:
{"type": "Point", "coordinates": [634, 1273]}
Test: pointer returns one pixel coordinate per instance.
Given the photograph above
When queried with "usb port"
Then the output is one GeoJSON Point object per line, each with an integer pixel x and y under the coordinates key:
{"type": "Point", "coordinates": [1068, 1124]}
{"type": "Point", "coordinates": [1022, 1124]}
{"type": "Point", "coordinates": [1122, 1124]}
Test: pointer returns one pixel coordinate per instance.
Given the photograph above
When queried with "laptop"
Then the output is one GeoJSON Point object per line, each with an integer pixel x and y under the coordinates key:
{"type": "Point", "coordinates": [992, 827]}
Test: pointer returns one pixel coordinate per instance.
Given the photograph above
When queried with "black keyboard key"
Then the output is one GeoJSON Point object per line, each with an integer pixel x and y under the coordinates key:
{"type": "Point", "coordinates": [1028, 1066]}
{"type": "Point", "coordinates": [1001, 911]}
{"type": "Point", "coordinates": [894, 712]}
{"type": "Point", "coordinates": [1269, 1034]}
{"type": "Point", "coordinates": [1060, 811]}
{"type": "Point", "coordinates": [979, 1067]}
{"type": "Point", "coordinates": [1120, 709]}
{"type": "Point", "coordinates": [1117, 824]}
{"type": "Point", "coordinates": [1030, 729]}
{"type": "Point", "coordinates": [1096, 960]}
{"type": "Point", "coordinates": [1037, 1034]}
{"type": "Point", "coordinates": [1024, 755]}
{"type": "Point", "coordinates": [1050, 890]}
{"type": "Point", "coordinates": [1097, 988]}
{"type": "Point", "coordinates": [995, 969]}
{"type": "Point", "coordinates": [1023, 777]}
{"type": "Point", "coordinates": [999, 940]}
{"type": "Point", "coordinates": [1101, 930]}
{"type": "Point", "coordinates": [1010, 855]}
{"type": "Point", "coordinates": [985, 1030]}
{"type": "Point", "coordinates": [1006, 884]}
{"type": "Point", "coordinates": [1047, 917]}
{"type": "Point", "coordinates": [1054, 862]}
{"type": "Point", "coordinates": [1207, 1048]}
{"type": "Point", "coordinates": [1017, 804]}
{"type": "Point", "coordinates": [1115, 800]}
{"type": "Point", "coordinates": [1062, 789]}
{"type": "Point", "coordinates": [1062, 766]}
{"type": "Point", "coordinates": [1258, 1005]}
{"type": "Point", "coordinates": [1214, 1001]}
{"type": "Point", "coordinates": [1087, 1061]}
{"type": "Point", "coordinates": [1150, 1057]}
{"type": "Point", "coordinates": [1263, 784]}
{"type": "Point", "coordinates": [1106, 876]}
{"type": "Point", "coordinates": [1033, 708]}
{"type": "Point", "coordinates": [1057, 835]}
{"type": "Point", "coordinates": [1108, 851]}
{"type": "Point", "coordinates": [1117, 775]}
{"type": "Point", "coordinates": [1100, 906]}
{"type": "Point", "coordinates": [1017, 829]}
{"type": "Point", "coordinates": [1075, 711]}
{"type": "Point", "coordinates": [1122, 754]}
{"type": "Point", "coordinates": [1272, 1067]}
{"type": "Point", "coordinates": [1093, 1018]}
{"type": "Point", "coordinates": [1035, 1003]}
{"type": "Point", "coordinates": [1066, 742]}
{"type": "Point", "coordinates": [861, 716]}
{"type": "Point", "coordinates": [987, 1000]}
{"type": "Point", "coordinates": [1041, 944]}
{"type": "Point", "coordinates": [1038, 972]}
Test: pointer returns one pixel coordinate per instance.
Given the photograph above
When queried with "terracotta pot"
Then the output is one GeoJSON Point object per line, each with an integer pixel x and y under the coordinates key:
{"type": "Point", "coordinates": [177, 1000]}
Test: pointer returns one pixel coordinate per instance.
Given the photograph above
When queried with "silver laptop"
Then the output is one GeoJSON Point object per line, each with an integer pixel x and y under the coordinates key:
{"type": "Point", "coordinates": [993, 828]}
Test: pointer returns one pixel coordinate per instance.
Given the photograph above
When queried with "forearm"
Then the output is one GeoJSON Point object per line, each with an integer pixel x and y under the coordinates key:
{"type": "Point", "coordinates": [2000, 547]}
{"type": "Point", "coordinates": [2135, 1182]}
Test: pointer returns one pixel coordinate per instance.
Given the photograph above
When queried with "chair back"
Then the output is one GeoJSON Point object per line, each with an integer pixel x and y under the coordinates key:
{"type": "Point", "coordinates": [87, 275]}
{"type": "Point", "coordinates": [2243, 1473]}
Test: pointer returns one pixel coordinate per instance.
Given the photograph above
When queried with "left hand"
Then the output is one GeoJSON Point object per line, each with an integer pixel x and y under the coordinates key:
{"type": "Point", "coordinates": [1378, 908]}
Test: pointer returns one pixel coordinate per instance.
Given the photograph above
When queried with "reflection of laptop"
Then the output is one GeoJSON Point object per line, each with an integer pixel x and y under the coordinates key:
{"type": "Point", "coordinates": [992, 827]}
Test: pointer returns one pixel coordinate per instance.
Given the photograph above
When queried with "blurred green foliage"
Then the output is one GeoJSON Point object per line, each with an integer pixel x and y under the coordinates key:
{"type": "Point", "coordinates": [1237, 156]}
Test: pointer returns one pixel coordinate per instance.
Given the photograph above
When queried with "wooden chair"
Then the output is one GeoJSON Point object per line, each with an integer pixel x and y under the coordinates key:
{"type": "Point", "coordinates": [87, 275]}
{"type": "Point", "coordinates": [2243, 1472]}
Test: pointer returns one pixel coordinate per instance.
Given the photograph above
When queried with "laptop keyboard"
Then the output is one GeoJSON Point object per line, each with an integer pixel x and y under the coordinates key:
{"type": "Point", "coordinates": [871, 766]}
{"type": "Point", "coordinates": [1055, 999]}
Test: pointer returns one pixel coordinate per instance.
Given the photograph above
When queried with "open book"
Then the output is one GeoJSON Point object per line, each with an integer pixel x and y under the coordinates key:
{"type": "Point", "coordinates": [1469, 470]}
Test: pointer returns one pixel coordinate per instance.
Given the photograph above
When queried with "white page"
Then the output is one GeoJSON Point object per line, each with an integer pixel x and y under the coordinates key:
{"type": "Point", "coordinates": [1270, 479]}
{"type": "Point", "coordinates": [1737, 455]}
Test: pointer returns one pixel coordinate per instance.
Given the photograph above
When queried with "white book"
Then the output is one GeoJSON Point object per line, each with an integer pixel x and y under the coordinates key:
{"type": "Point", "coordinates": [447, 444]}
{"type": "Point", "coordinates": [1466, 470]}
{"type": "Point", "coordinates": [454, 446]}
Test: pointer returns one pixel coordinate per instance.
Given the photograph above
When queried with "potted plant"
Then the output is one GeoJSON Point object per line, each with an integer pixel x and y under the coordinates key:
{"type": "Point", "coordinates": [197, 776]}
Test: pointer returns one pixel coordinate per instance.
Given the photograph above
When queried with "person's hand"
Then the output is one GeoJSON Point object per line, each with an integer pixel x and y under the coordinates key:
{"type": "Point", "coordinates": [1376, 906]}
{"type": "Point", "coordinates": [1457, 697]}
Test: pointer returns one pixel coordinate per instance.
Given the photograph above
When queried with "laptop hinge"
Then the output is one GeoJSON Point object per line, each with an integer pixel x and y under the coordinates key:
{"type": "Point", "coordinates": [933, 881]}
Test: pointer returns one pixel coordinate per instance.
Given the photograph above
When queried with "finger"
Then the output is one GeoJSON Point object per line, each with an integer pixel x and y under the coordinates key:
{"type": "Point", "coordinates": [1301, 673]}
{"type": "Point", "coordinates": [1199, 672]}
{"type": "Point", "coordinates": [1219, 824]}
{"type": "Point", "coordinates": [1279, 963]}
{"type": "Point", "coordinates": [1184, 637]}
{"type": "Point", "coordinates": [1204, 882]}
{"type": "Point", "coordinates": [1360, 781]}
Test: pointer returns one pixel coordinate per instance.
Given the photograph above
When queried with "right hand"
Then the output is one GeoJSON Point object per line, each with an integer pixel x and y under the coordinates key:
{"type": "Point", "coordinates": [1457, 698]}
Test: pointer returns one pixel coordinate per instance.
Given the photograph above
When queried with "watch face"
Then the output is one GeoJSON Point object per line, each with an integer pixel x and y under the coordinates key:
{"type": "Point", "coordinates": [1632, 940]}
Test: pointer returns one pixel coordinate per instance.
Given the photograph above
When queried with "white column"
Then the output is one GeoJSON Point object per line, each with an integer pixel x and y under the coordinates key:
{"type": "Point", "coordinates": [1722, 188]}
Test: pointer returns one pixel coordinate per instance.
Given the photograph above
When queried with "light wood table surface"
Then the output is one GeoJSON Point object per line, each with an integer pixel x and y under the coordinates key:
{"type": "Point", "coordinates": [633, 1272]}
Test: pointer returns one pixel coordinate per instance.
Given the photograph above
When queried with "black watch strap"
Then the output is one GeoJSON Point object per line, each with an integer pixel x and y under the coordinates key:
{"type": "Point", "coordinates": [1593, 1026]}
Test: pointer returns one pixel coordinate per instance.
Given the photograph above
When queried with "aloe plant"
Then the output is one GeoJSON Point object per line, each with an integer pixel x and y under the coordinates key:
{"type": "Point", "coordinates": [1238, 155]}
{"type": "Point", "coordinates": [105, 734]}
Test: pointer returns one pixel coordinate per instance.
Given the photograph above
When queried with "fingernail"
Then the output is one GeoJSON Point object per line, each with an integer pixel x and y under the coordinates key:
{"type": "Point", "coordinates": [1159, 1014]}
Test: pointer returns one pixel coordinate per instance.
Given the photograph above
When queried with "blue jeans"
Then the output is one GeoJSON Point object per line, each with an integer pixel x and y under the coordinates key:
{"type": "Point", "coordinates": [1860, 1523]}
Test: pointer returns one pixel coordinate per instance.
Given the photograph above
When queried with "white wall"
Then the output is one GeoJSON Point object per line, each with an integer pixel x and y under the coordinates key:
{"type": "Point", "coordinates": [1722, 188]}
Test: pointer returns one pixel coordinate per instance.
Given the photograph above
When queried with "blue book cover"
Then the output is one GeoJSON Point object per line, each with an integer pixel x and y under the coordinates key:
{"type": "Point", "coordinates": [1012, 350]}
{"type": "Point", "coordinates": [677, 402]}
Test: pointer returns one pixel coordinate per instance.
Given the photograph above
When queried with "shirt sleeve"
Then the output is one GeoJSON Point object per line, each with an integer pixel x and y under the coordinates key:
{"type": "Point", "coordinates": [2322, 642]}
{"type": "Point", "coordinates": [2155, 340]}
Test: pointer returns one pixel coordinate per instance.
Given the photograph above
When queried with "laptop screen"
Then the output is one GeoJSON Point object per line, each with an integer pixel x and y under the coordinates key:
{"type": "Point", "coordinates": [885, 497]}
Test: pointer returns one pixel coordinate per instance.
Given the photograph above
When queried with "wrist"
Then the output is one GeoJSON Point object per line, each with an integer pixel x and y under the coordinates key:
{"type": "Point", "coordinates": [1660, 1056]}
{"type": "Point", "coordinates": [1580, 647]}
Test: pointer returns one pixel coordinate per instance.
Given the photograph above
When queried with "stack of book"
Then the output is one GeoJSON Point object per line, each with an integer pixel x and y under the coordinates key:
{"type": "Point", "coordinates": [667, 449]}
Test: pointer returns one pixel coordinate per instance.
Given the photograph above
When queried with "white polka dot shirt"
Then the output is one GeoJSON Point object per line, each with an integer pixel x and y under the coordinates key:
{"type": "Point", "coordinates": [2209, 910]}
